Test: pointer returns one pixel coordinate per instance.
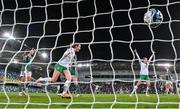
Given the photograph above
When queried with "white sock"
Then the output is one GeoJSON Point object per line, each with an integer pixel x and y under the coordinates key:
{"type": "Point", "coordinates": [66, 86]}
{"type": "Point", "coordinates": [147, 90]}
{"type": "Point", "coordinates": [135, 87]}
{"type": "Point", "coordinates": [45, 79]}
{"type": "Point", "coordinates": [167, 92]}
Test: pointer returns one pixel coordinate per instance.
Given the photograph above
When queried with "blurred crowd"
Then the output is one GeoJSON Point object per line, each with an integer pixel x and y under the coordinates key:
{"type": "Point", "coordinates": [96, 88]}
{"type": "Point", "coordinates": [118, 87]}
{"type": "Point", "coordinates": [11, 76]}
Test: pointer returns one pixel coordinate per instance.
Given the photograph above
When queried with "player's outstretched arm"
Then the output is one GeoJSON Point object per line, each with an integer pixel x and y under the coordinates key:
{"type": "Point", "coordinates": [137, 55]}
{"type": "Point", "coordinates": [151, 57]}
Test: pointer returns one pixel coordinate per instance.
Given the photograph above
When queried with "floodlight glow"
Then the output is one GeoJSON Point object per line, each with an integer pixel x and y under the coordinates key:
{"type": "Point", "coordinates": [167, 65]}
{"type": "Point", "coordinates": [83, 65]}
{"type": "Point", "coordinates": [11, 37]}
{"type": "Point", "coordinates": [87, 65]}
{"type": "Point", "coordinates": [164, 65]}
{"type": "Point", "coordinates": [44, 55]}
{"type": "Point", "coordinates": [8, 35]}
{"type": "Point", "coordinates": [80, 65]}
{"type": "Point", "coordinates": [15, 61]}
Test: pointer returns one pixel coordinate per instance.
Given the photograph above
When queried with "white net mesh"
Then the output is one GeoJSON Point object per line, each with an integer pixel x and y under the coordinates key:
{"type": "Point", "coordinates": [109, 31]}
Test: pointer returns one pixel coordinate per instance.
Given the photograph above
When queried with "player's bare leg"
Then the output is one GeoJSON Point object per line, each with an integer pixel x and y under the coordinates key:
{"type": "Point", "coordinates": [22, 86]}
{"type": "Point", "coordinates": [167, 88]}
{"type": "Point", "coordinates": [66, 84]}
{"type": "Point", "coordinates": [136, 87]}
{"type": "Point", "coordinates": [148, 87]}
{"type": "Point", "coordinates": [75, 82]}
{"type": "Point", "coordinates": [54, 78]}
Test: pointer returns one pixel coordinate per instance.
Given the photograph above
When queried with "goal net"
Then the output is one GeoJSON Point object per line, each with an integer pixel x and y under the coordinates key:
{"type": "Point", "coordinates": [108, 69]}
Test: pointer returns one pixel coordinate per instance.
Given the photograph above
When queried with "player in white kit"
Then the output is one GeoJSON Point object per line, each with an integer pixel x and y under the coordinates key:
{"type": "Point", "coordinates": [63, 67]}
{"type": "Point", "coordinates": [144, 73]}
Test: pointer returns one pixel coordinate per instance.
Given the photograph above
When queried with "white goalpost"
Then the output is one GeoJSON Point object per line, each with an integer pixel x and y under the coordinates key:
{"type": "Point", "coordinates": [109, 31]}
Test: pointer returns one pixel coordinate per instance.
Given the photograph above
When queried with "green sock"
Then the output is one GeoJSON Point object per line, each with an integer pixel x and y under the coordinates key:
{"type": "Point", "coordinates": [78, 91]}
{"type": "Point", "coordinates": [20, 87]}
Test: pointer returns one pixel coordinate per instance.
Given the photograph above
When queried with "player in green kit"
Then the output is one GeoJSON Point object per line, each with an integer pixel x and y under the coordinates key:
{"type": "Point", "coordinates": [74, 75]}
{"type": "Point", "coordinates": [26, 71]}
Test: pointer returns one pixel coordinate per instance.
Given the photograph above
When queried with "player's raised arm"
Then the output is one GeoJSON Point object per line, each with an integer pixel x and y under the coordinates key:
{"type": "Point", "coordinates": [137, 55]}
{"type": "Point", "coordinates": [151, 57]}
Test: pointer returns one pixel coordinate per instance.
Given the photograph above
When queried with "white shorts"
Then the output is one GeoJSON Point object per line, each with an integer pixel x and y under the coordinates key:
{"type": "Point", "coordinates": [26, 73]}
{"type": "Point", "coordinates": [169, 82]}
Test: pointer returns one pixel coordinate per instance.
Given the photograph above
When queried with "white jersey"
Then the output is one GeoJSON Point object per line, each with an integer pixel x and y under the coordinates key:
{"type": "Point", "coordinates": [67, 57]}
{"type": "Point", "coordinates": [144, 69]}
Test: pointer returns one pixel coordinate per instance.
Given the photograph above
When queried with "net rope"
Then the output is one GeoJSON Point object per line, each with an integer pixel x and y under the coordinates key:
{"type": "Point", "coordinates": [92, 42]}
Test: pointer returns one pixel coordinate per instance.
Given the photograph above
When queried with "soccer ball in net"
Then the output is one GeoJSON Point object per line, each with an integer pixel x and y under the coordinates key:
{"type": "Point", "coordinates": [153, 17]}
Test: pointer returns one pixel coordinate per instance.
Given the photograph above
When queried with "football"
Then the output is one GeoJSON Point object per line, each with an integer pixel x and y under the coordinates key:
{"type": "Point", "coordinates": [153, 17]}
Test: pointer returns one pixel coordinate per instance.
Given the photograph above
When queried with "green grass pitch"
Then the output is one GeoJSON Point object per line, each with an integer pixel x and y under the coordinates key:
{"type": "Point", "coordinates": [40, 100]}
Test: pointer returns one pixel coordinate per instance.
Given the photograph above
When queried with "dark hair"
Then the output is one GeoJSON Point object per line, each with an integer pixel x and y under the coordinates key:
{"type": "Point", "coordinates": [26, 52]}
{"type": "Point", "coordinates": [75, 45]}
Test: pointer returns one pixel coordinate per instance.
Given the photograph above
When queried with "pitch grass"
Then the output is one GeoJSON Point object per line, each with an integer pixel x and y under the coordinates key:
{"type": "Point", "coordinates": [40, 100]}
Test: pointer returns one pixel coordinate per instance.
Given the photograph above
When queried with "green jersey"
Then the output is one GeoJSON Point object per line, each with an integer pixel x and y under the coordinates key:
{"type": "Point", "coordinates": [73, 70]}
{"type": "Point", "coordinates": [26, 66]}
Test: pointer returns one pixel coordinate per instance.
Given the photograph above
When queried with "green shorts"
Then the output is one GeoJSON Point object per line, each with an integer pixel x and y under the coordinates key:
{"type": "Point", "coordinates": [60, 68]}
{"type": "Point", "coordinates": [72, 71]}
{"type": "Point", "coordinates": [144, 77]}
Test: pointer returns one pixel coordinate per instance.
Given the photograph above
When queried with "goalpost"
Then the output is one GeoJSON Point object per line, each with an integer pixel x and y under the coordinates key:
{"type": "Point", "coordinates": [108, 30]}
